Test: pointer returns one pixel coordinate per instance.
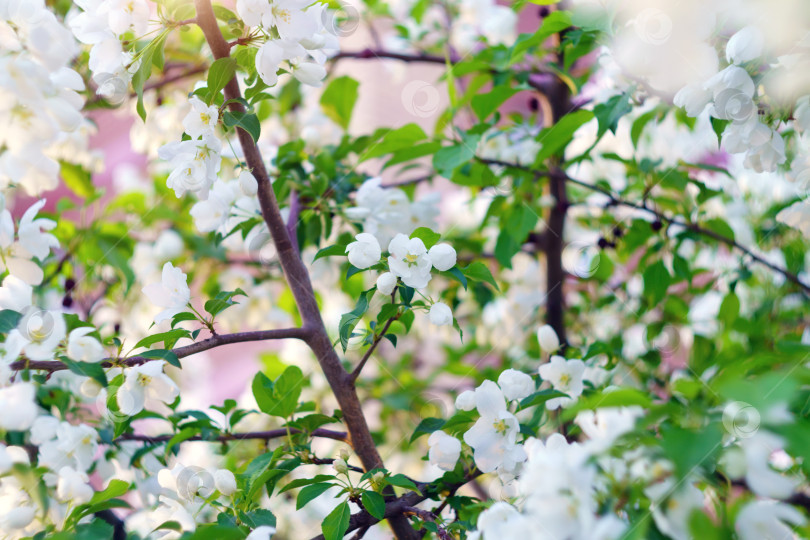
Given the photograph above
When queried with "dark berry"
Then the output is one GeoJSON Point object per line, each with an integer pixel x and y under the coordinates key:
{"type": "Point", "coordinates": [657, 225]}
{"type": "Point", "coordinates": [70, 283]}
{"type": "Point", "coordinates": [67, 301]}
{"type": "Point", "coordinates": [603, 243]}
{"type": "Point", "coordinates": [618, 232]}
{"type": "Point", "coordinates": [534, 105]}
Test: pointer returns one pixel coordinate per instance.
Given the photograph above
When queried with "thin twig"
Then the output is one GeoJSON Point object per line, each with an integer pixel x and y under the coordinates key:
{"type": "Point", "coordinates": [181, 352]}
{"type": "Point", "coordinates": [694, 227]}
{"type": "Point", "coordinates": [452, 59]}
{"type": "Point", "coordinates": [370, 351]}
{"type": "Point", "coordinates": [260, 435]}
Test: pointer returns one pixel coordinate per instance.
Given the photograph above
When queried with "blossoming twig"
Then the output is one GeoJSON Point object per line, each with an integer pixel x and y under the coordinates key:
{"type": "Point", "coordinates": [181, 352]}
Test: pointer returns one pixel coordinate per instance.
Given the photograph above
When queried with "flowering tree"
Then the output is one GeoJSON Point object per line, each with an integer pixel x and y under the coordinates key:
{"type": "Point", "coordinates": [559, 291]}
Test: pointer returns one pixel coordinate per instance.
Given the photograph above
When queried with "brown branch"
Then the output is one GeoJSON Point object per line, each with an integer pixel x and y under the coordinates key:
{"type": "Point", "coordinates": [370, 351]}
{"type": "Point", "coordinates": [181, 352]}
{"type": "Point", "coordinates": [260, 435]}
{"type": "Point", "coordinates": [694, 227]}
{"type": "Point", "coordinates": [298, 279]}
{"type": "Point", "coordinates": [453, 59]}
{"type": "Point", "coordinates": [406, 503]}
{"type": "Point", "coordinates": [169, 79]}
{"type": "Point", "coordinates": [559, 98]}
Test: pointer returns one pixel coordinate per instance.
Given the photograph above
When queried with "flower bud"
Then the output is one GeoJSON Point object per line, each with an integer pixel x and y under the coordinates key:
{"type": "Point", "coordinates": [225, 482]}
{"type": "Point", "coordinates": [386, 283]}
{"type": "Point", "coordinates": [440, 314]}
{"type": "Point", "coordinates": [340, 466]}
{"type": "Point", "coordinates": [248, 183]}
{"type": "Point", "coordinates": [549, 342]}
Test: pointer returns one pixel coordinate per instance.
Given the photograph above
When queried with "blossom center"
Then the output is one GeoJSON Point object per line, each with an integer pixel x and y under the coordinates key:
{"type": "Point", "coordinates": [500, 426]}
{"type": "Point", "coordinates": [283, 14]}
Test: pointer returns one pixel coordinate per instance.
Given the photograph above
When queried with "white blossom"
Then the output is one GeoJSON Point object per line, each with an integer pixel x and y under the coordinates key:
{"type": "Point", "coordinates": [365, 251]}
{"type": "Point", "coordinates": [84, 348]}
{"type": "Point", "coordinates": [386, 283]}
{"type": "Point", "coordinates": [768, 520]}
{"type": "Point", "coordinates": [547, 337]}
{"type": "Point", "coordinates": [142, 382]}
{"type": "Point", "coordinates": [172, 293]}
{"type": "Point", "coordinates": [565, 376]}
{"type": "Point", "coordinates": [409, 260]}
{"type": "Point", "coordinates": [201, 119]}
{"type": "Point", "coordinates": [515, 384]}
{"type": "Point", "coordinates": [444, 450]}
{"type": "Point", "coordinates": [440, 314]}
{"type": "Point", "coordinates": [20, 397]}
{"type": "Point", "coordinates": [442, 256]}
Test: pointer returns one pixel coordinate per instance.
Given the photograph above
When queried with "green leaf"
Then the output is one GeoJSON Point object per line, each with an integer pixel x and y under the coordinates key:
{"type": "Point", "coordinates": [486, 104]}
{"type": "Point", "coordinates": [9, 319]}
{"type": "Point", "coordinates": [349, 320]}
{"type": "Point", "coordinates": [656, 282]}
{"type": "Point", "coordinates": [78, 179]}
{"type": "Point", "coordinates": [689, 450]}
{"type": "Point", "coordinates": [306, 482]}
{"type": "Point", "coordinates": [243, 120]}
{"type": "Point", "coordinates": [400, 480]}
{"type": "Point", "coordinates": [622, 397]}
{"type": "Point", "coordinates": [557, 137]}
{"type": "Point", "coordinates": [609, 113]}
{"type": "Point", "coordinates": [719, 126]}
{"type": "Point", "coordinates": [287, 391]}
{"type": "Point", "coordinates": [450, 157]}
{"type": "Point", "coordinates": [539, 398]}
{"type": "Point", "coordinates": [116, 488]}
{"type": "Point", "coordinates": [279, 397]}
{"type": "Point", "coordinates": [638, 125]}
{"type": "Point", "coordinates": [222, 301]}
{"type": "Point", "coordinates": [216, 532]}
{"type": "Point", "coordinates": [426, 426]}
{"type": "Point", "coordinates": [427, 236]}
{"type": "Point", "coordinates": [397, 139]}
{"type": "Point", "coordinates": [144, 71]}
{"type": "Point", "coordinates": [330, 251]}
{"type": "Point", "coordinates": [168, 338]}
{"type": "Point", "coordinates": [478, 271]}
{"type": "Point", "coordinates": [729, 309]}
{"type": "Point", "coordinates": [163, 354]}
{"type": "Point", "coordinates": [338, 100]}
{"type": "Point", "coordinates": [310, 492]}
{"type": "Point", "coordinates": [86, 369]}
{"type": "Point", "coordinates": [257, 518]}
{"type": "Point", "coordinates": [374, 503]}
{"type": "Point", "coordinates": [335, 525]}
{"type": "Point", "coordinates": [219, 75]}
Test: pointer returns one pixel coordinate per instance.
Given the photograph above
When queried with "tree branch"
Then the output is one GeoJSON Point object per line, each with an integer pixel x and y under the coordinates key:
{"type": "Point", "coordinates": [379, 54]}
{"type": "Point", "coordinates": [181, 352]}
{"type": "Point", "coordinates": [297, 277]}
{"type": "Point", "coordinates": [694, 227]}
{"type": "Point", "coordinates": [260, 435]}
{"type": "Point", "coordinates": [370, 351]}
{"type": "Point", "coordinates": [405, 503]}
{"type": "Point", "coordinates": [559, 97]}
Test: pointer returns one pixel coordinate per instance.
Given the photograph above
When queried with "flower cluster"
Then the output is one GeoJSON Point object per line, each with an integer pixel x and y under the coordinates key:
{"type": "Point", "coordinates": [299, 36]}
{"type": "Point", "coordinates": [731, 96]}
{"type": "Point", "coordinates": [102, 24]}
{"type": "Point", "coordinates": [386, 212]}
{"type": "Point", "coordinates": [195, 162]}
{"type": "Point", "coordinates": [408, 260]}
{"type": "Point", "coordinates": [41, 104]}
